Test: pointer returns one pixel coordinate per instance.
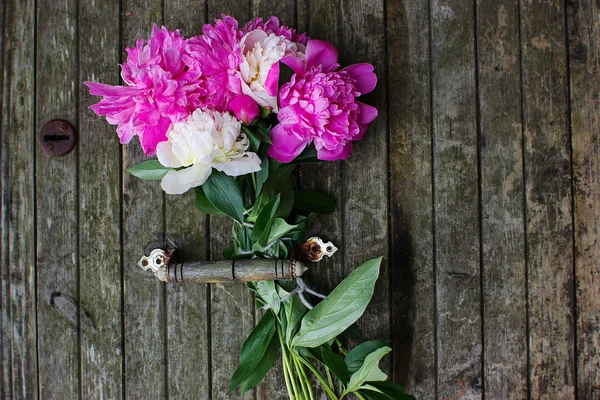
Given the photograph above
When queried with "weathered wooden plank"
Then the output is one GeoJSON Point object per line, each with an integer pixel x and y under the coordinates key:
{"type": "Point", "coordinates": [321, 19]}
{"type": "Point", "coordinates": [273, 386]}
{"type": "Point", "coordinates": [5, 367]}
{"type": "Point", "coordinates": [100, 208]}
{"type": "Point", "coordinates": [366, 199]}
{"type": "Point", "coordinates": [584, 45]}
{"type": "Point", "coordinates": [411, 213]}
{"type": "Point", "coordinates": [456, 220]}
{"type": "Point", "coordinates": [143, 223]}
{"type": "Point", "coordinates": [548, 196]}
{"type": "Point", "coordinates": [501, 163]}
{"type": "Point", "coordinates": [231, 306]}
{"type": "Point", "coordinates": [57, 205]}
{"type": "Point", "coordinates": [187, 313]}
{"type": "Point", "coordinates": [18, 273]}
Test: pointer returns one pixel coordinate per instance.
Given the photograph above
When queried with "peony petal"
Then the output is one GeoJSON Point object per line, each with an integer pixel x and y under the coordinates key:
{"type": "Point", "coordinates": [363, 74]}
{"type": "Point", "coordinates": [251, 38]}
{"type": "Point", "coordinates": [244, 108]}
{"type": "Point", "coordinates": [294, 63]}
{"type": "Point", "coordinates": [272, 80]}
{"type": "Point", "coordinates": [240, 166]}
{"type": "Point", "coordinates": [178, 182]}
{"type": "Point", "coordinates": [285, 146]}
{"type": "Point", "coordinates": [102, 89]}
{"type": "Point", "coordinates": [367, 113]}
{"type": "Point", "coordinates": [153, 135]}
{"type": "Point", "coordinates": [164, 152]}
{"type": "Point", "coordinates": [320, 52]}
{"type": "Point", "coordinates": [341, 153]}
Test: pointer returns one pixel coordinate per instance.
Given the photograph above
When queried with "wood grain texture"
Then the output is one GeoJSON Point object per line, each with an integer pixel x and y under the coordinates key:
{"type": "Point", "coordinates": [57, 204]}
{"type": "Point", "coordinates": [5, 367]}
{"type": "Point", "coordinates": [187, 312]}
{"type": "Point", "coordinates": [411, 213]}
{"type": "Point", "coordinates": [501, 165]}
{"type": "Point", "coordinates": [584, 58]}
{"type": "Point", "coordinates": [548, 195]}
{"type": "Point", "coordinates": [143, 223]}
{"type": "Point", "coordinates": [365, 200]}
{"type": "Point", "coordinates": [99, 207]}
{"type": "Point", "coordinates": [321, 19]}
{"type": "Point", "coordinates": [18, 130]}
{"type": "Point", "coordinates": [232, 306]}
{"type": "Point", "coordinates": [455, 200]}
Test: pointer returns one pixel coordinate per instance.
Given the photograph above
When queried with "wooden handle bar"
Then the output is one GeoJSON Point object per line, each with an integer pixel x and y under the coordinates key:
{"type": "Point", "coordinates": [235, 271]}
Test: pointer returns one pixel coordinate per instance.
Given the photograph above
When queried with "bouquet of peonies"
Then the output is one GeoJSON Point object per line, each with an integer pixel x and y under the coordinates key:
{"type": "Point", "coordinates": [230, 114]}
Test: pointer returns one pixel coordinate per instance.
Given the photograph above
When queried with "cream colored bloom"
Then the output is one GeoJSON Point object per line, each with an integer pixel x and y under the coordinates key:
{"type": "Point", "coordinates": [259, 70]}
{"type": "Point", "coordinates": [203, 141]}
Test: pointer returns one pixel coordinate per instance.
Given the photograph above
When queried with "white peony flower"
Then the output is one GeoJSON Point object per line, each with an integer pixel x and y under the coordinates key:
{"type": "Point", "coordinates": [203, 141]}
{"type": "Point", "coordinates": [259, 69]}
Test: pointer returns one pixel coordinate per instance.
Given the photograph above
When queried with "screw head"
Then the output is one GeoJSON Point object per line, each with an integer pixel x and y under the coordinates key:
{"type": "Point", "coordinates": [58, 137]}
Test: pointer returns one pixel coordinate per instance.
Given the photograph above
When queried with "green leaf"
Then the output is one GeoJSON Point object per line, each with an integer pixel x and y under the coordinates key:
{"type": "Point", "coordinates": [392, 390]}
{"type": "Point", "coordinates": [336, 364]}
{"type": "Point", "coordinates": [268, 293]}
{"type": "Point", "coordinates": [263, 174]}
{"type": "Point", "coordinates": [263, 367]}
{"type": "Point", "coordinates": [203, 204]}
{"type": "Point", "coordinates": [371, 394]}
{"type": "Point", "coordinates": [253, 349]}
{"type": "Point", "coordinates": [356, 356]}
{"type": "Point", "coordinates": [310, 201]}
{"type": "Point", "coordinates": [224, 194]}
{"type": "Point", "coordinates": [262, 226]}
{"type": "Point", "coordinates": [369, 371]}
{"type": "Point", "coordinates": [295, 310]}
{"type": "Point", "coordinates": [279, 229]}
{"type": "Point", "coordinates": [308, 156]}
{"type": "Point", "coordinates": [344, 305]}
{"type": "Point", "coordinates": [151, 170]}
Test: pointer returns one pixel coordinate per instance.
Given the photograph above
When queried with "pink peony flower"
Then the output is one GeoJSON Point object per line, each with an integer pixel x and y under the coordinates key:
{"type": "Point", "coordinates": [319, 105]}
{"type": "Point", "coordinates": [272, 26]}
{"type": "Point", "coordinates": [159, 86]}
{"type": "Point", "coordinates": [216, 55]}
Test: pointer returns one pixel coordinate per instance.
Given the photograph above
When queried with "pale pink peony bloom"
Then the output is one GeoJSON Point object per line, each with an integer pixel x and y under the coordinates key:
{"type": "Point", "coordinates": [159, 84]}
{"type": "Point", "coordinates": [259, 70]}
{"type": "Point", "coordinates": [272, 26]}
{"type": "Point", "coordinates": [319, 105]}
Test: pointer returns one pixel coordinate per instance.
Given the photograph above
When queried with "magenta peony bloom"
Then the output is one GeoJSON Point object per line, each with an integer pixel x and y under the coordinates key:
{"type": "Point", "coordinates": [244, 108]}
{"type": "Point", "coordinates": [216, 55]}
{"type": "Point", "coordinates": [159, 86]}
{"type": "Point", "coordinates": [272, 26]}
{"type": "Point", "coordinates": [319, 105]}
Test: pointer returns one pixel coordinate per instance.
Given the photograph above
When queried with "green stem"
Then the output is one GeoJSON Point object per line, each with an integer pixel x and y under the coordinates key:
{"type": "Point", "coordinates": [303, 377]}
{"type": "Point", "coordinates": [285, 364]}
{"type": "Point", "coordinates": [254, 183]}
{"type": "Point", "coordinates": [316, 373]}
{"type": "Point", "coordinates": [341, 346]}
{"type": "Point", "coordinates": [329, 377]}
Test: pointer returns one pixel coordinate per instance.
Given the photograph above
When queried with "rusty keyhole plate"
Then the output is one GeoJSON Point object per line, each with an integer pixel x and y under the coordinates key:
{"type": "Point", "coordinates": [58, 137]}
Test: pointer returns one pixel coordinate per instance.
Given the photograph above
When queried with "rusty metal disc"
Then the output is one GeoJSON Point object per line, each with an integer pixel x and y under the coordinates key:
{"type": "Point", "coordinates": [58, 137]}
